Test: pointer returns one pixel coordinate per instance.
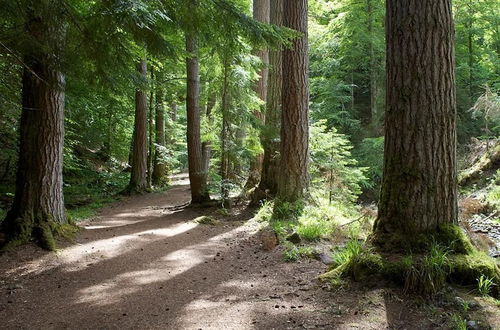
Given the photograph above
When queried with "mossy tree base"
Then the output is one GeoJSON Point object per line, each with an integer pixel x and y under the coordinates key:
{"type": "Point", "coordinates": [450, 236]}
{"type": "Point", "coordinates": [424, 272]}
{"type": "Point", "coordinates": [41, 230]}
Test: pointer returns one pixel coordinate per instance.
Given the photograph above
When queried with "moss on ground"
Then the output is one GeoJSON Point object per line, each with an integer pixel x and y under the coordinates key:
{"type": "Point", "coordinates": [426, 272]}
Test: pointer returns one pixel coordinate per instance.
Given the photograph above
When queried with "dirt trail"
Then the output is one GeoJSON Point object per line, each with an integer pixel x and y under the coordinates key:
{"type": "Point", "coordinates": [142, 265]}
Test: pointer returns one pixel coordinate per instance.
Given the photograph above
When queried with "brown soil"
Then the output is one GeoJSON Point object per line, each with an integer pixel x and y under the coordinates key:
{"type": "Point", "coordinates": [143, 263]}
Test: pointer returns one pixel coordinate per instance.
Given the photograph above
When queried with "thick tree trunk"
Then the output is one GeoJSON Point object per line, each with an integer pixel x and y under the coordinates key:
{"type": "Point", "coordinates": [199, 192]}
{"type": "Point", "coordinates": [294, 178]}
{"type": "Point", "coordinates": [268, 185]}
{"type": "Point", "coordinates": [261, 12]}
{"type": "Point", "coordinates": [138, 178]}
{"type": "Point", "coordinates": [38, 205]}
{"type": "Point", "coordinates": [160, 166]}
{"type": "Point", "coordinates": [419, 187]}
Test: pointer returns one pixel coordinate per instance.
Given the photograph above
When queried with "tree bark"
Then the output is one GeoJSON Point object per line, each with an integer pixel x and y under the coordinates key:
{"type": "Point", "coordinates": [419, 186]}
{"type": "Point", "coordinates": [294, 178]}
{"type": "Point", "coordinates": [160, 166]}
{"type": "Point", "coordinates": [199, 192]}
{"type": "Point", "coordinates": [261, 12]}
{"type": "Point", "coordinates": [225, 135]}
{"type": "Point", "coordinates": [151, 124]}
{"type": "Point", "coordinates": [138, 178]}
{"type": "Point", "coordinates": [268, 185]}
{"type": "Point", "coordinates": [206, 146]}
{"type": "Point", "coordinates": [38, 205]}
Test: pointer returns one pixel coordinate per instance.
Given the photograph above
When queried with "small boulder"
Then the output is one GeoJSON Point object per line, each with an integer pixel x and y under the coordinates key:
{"type": "Point", "coordinates": [269, 240]}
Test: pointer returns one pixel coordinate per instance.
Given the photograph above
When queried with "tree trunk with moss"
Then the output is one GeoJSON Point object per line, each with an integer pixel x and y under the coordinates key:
{"type": "Point", "coordinates": [268, 185]}
{"type": "Point", "coordinates": [294, 177]}
{"type": "Point", "coordinates": [138, 178]}
{"type": "Point", "coordinates": [261, 12]}
{"type": "Point", "coordinates": [38, 207]}
{"type": "Point", "coordinates": [419, 186]}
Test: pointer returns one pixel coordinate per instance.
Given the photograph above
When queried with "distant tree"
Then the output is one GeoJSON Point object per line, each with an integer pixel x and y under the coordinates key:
{"type": "Point", "coordinates": [294, 177]}
{"type": "Point", "coordinates": [261, 12]}
{"type": "Point", "coordinates": [138, 178]}
{"type": "Point", "coordinates": [159, 164]}
{"type": "Point", "coordinates": [419, 185]}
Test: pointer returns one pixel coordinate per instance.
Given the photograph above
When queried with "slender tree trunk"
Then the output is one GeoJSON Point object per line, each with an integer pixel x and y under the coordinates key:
{"type": "Point", "coordinates": [206, 146]}
{"type": "Point", "coordinates": [268, 185]}
{"type": "Point", "coordinates": [38, 205]}
{"type": "Point", "coordinates": [138, 178]}
{"type": "Point", "coordinates": [294, 178]}
{"type": "Point", "coordinates": [199, 192]}
{"type": "Point", "coordinates": [261, 12]}
{"type": "Point", "coordinates": [160, 166]}
{"type": "Point", "coordinates": [225, 165]}
{"type": "Point", "coordinates": [419, 186]}
{"type": "Point", "coordinates": [151, 124]}
{"type": "Point", "coordinates": [470, 49]}
{"type": "Point", "coordinates": [373, 65]}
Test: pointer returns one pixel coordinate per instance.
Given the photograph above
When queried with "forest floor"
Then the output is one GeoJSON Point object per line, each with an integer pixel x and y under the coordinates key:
{"type": "Point", "coordinates": [144, 263]}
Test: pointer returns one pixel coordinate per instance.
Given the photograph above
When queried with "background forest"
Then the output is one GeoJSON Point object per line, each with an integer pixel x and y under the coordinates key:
{"type": "Point", "coordinates": [347, 94]}
{"type": "Point", "coordinates": [277, 107]}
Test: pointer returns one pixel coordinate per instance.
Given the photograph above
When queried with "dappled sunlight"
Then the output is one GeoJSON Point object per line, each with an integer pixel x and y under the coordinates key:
{"type": "Point", "coordinates": [115, 246]}
{"type": "Point", "coordinates": [97, 250]}
{"type": "Point", "coordinates": [160, 270]}
{"type": "Point", "coordinates": [216, 315]}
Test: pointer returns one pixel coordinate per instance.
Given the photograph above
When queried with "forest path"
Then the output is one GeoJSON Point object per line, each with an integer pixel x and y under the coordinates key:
{"type": "Point", "coordinates": [143, 263]}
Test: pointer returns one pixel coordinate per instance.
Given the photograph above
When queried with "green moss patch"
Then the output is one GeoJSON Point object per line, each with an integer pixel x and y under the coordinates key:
{"type": "Point", "coordinates": [424, 273]}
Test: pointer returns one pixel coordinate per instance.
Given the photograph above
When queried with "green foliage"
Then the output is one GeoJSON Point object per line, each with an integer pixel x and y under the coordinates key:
{"type": "Point", "coordinates": [458, 322]}
{"type": "Point", "coordinates": [287, 211]}
{"type": "Point", "coordinates": [370, 155]}
{"type": "Point", "coordinates": [484, 284]}
{"type": "Point", "coordinates": [206, 220]}
{"type": "Point", "coordinates": [429, 275]}
{"type": "Point", "coordinates": [293, 253]}
{"type": "Point", "coordinates": [332, 165]}
{"type": "Point", "coordinates": [265, 212]}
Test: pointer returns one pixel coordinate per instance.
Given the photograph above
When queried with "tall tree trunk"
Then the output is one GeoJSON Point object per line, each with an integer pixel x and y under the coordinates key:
{"type": "Point", "coordinates": [294, 178]}
{"type": "Point", "coordinates": [268, 185]}
{"type": "Point", "coordinates": [138, 178]}
{"type": "Point", "coordinates": [160, 166]}
{"type": "Point", "coordinates": [38, 205]}
{"type": "Point", "coordinates": [419, 186]}
{"type": "Point", "coordinates": [261, 12]}
{"type": "Point", "coordinates": [151, 145]}
{"type": "Point", "coordinates": [199, 191]}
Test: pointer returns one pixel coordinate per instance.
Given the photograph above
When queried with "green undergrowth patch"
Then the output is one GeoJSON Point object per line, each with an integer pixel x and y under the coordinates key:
{"type": "Point", "coordinates": [301, 226]}
{"type": "Point", "coordinates": [89, 210]}
{"type": "Point", "coordinates": [424, 273]}
{"type": "Point", "coordinates": [206, 220]}
{"type": "Point", "coordinates": [293, 252]}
